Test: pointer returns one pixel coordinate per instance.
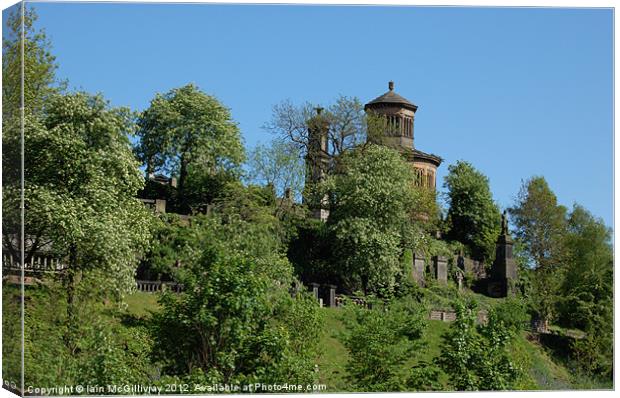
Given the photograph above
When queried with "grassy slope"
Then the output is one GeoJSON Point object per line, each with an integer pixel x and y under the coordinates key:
{"type": "Point", "coordinates": [543, 373]}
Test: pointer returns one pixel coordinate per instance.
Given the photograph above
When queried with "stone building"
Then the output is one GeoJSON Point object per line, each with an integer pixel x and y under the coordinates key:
{"type": "Point", "coordinates": [399, 132]}
{"type": "Point", "coordinates": [396, 116]}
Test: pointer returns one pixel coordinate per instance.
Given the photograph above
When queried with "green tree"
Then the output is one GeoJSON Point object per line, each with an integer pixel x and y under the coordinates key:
{"type": "Point", "coordinates": [587, 290]}
{"type": "Point", "coordinates": [540, 226]}
{"type": "Point", "coordinates": [39, 84]}
{"type": "Point", "coordinates": [375, 212]}
{"type": "Point", "coordinates": [39, 64]}
{"type": "Point", "coordinates": [380, 341]}
{"type": "Point", "coordinates": [235, 321]}
{"type": "Point", "coordinates": [188, 133]}
{"type": "Point", "coordinates": [473, 216]}
{"type": "Point", "coordinates": [279, 165]}
{"type": "Point", "coordinates": [80, 196]}
{"type": "Point", "coordinates": [476, 357]}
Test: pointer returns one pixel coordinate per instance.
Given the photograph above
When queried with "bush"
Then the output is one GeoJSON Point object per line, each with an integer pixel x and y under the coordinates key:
{"type": "Point", "coordinates": [235, 321]}
{"type": "Point", "coordinates": [379, 342]}
{"type": "Point", "coordinates": [476, 358]}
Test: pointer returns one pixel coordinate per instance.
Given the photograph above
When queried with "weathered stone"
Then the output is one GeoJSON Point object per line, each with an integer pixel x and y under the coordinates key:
{"type": "Point", "coordinates": [418, 268]}
{"type": "Point", "coordinates": [332, 295]}
{"type": "Point", "coordinates": [160, 205]}
{"type": "Point", "coordinates": [504, 269]}
{"type": "Point", "coordinates": [440, 266]}
{"type": "Point", "coordinates": [315, 290]}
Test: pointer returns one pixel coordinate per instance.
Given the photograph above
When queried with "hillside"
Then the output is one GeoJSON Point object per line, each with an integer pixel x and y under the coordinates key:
{"type": "Point", "coordinates": [543, 371]}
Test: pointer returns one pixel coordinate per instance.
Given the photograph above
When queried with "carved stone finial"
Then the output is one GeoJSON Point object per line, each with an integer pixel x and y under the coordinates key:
{"type": "Point", "coordinates": [504, 223]}
{"type": "Point", "coordinates": [391, 85]}
{"type": "Point", "coordinates": [318, 110]}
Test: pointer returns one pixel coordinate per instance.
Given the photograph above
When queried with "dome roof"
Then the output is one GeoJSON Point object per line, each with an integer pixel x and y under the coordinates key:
{"type": "Point", "coordinates": [391, 98]}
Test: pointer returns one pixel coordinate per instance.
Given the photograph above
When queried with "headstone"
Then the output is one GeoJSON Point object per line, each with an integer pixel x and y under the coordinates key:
{"type": "Point", "coordinates": [441, 269]}
{"type": "Point", "coordinates": [418, 268]}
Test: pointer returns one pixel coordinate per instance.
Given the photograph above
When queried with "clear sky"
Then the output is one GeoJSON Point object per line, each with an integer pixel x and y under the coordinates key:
{"type": "Point", "coordinates": [516, 91]}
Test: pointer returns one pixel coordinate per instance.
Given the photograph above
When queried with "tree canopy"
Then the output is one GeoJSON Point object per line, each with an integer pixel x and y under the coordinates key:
{"type": "Point", "coordinates": [82, 181]}
{"type": "Point", "coordinates": [39, 65]}
{"type": "Point", "coordinates": [540, 225]}
{"type": "Point", "coordinates": [375, 213]}
{"type": "Point", "coordinates": [189, 134]}
{"type": "Point", "coordinates": [279, 165]}
{"type": "Point", "coordinates": [473, 216]}
{"type": "Point", "coordinates": [586, 293]}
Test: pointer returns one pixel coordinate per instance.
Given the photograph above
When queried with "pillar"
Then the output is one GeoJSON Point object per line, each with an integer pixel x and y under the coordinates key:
{"type": "Point", "coordinates": [315, 290]}
{"type": "Point", "coordinates": [332, 295]}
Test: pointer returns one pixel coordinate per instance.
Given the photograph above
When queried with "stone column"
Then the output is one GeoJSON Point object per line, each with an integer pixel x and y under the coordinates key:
{"type": "Point", "coordinates": [315, 290]}
{"type": "Point", "coordinates": [332, 295]}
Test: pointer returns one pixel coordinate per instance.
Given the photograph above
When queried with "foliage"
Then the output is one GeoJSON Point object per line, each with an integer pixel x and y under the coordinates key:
{"type": "Point", "coordinates": [11, 335]}
{"type": "Point", "coordinates": [80, 197]}
{"type": "Point", "coordinates": [39, 65]}
{"type": "Point", "coordinates": [310, 252]}
{"type": "Point", "coordinates": [539, 227]}
{"type": "Point", "coordinates": [539, 222]}
{"type": "Point", "coordinates": [588, 286]}
{"type": "Point", "coordinates": [279, 165]}
{"type": "Point", "coordinates": [473, 216]}
{"type": "Point", "coordinates": [102, 352]}
{"type": "Point", "coordinates": [171, 236]}
{"type": "Point", "coordinates": [512, 313]}
{"type": "Point", "coordinates": [476, 358]}
{"type": "Point", "coordinates": [379, 342]}
{"type": "Point", "coordinates": [235, 321]}
{"type": "Point", "coordinates": [587, 290]}
{"type": "Point", "coordinates": [241, 222]}
{"type": "Point", "coordinates": [188, 133]}
{"type": "Point", "coordinates": [375, 213]}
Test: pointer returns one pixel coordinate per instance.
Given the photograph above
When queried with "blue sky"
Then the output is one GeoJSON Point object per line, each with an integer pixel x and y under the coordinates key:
{"type": "Point", "coordinates": [516, 91]}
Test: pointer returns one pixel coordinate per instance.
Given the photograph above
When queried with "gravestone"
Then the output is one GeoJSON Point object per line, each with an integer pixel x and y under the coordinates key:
{"type": "Point", "coordinates": [418, 269]}
{"type": "Point", "coordinates": [440, 267]}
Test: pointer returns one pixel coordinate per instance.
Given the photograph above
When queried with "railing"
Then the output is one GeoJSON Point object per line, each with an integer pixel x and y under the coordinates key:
{"type": "Point", "coordinates": [157, 286]}
{"type": "Point", "coordinates": [360, 301]}
{"type": "Point", "coordinates": [36, 264]}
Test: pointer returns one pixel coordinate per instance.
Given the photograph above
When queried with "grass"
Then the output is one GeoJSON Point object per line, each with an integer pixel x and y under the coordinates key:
{"type": "Point", "coordinates": [542, 371]}
{"type": "Point", "coordinates": [141, 305]}
{"type": "Point", "coordinates": [334, 356]}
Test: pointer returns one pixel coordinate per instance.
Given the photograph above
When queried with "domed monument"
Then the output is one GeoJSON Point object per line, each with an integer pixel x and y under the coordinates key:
{"type": "Point", "coordinates": [393, 119]}
{"type": "Point", "coordinates": [399, 118]}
